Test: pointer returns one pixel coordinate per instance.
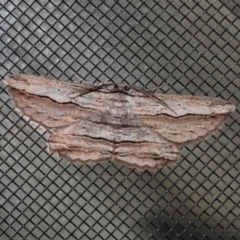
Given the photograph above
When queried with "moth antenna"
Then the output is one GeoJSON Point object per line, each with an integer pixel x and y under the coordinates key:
{"type": "Point", "coordinates": [84, 81]}
{"type": "Point", "coordinates": [151, 95]}
{"type": "Point", "coordinates": [146, 92]}
{"type": "Point", "coordinates": [157, 88]}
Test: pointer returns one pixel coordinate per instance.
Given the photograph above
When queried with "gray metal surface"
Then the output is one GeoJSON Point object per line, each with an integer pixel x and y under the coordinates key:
{"type": "Point", "coordinates": [191, 45]}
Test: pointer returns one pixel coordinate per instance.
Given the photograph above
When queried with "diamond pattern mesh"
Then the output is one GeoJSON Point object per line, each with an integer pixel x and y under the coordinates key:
{"type": "Point", "coordinates": [194, 47]}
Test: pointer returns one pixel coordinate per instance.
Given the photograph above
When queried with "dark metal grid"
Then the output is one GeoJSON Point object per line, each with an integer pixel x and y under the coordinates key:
{"type": "Point", "coordinates": [194, 46]}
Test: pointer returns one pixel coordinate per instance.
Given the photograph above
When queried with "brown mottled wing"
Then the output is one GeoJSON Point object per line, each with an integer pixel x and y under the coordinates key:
{"type": "Point", "coordinates": [132, 129]}
{"type": "Point", "coordinates": [52, 104]}
{"type": "Point", "coordinates": [134, 144]}
{"type": "Point", "coordinates": [90, 128]}
{"type": "Point", "coordinates": [164, 131]}
{"type": "Point", "coordinates": [194, 117]}
{"type": "Point", "coordinates": [138, 140]}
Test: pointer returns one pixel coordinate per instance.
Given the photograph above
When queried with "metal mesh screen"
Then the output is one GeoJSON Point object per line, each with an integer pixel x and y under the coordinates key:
{"type": "Point", "coordinates": [194, 47]}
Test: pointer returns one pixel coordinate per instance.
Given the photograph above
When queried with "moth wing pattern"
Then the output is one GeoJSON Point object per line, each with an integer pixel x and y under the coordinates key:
{"type": "Point", "coordinates": [113, 133]}
{"type": "Point", "coordinates": [91, 124]}
{"type": "Point", "coordinates": [53, 116]}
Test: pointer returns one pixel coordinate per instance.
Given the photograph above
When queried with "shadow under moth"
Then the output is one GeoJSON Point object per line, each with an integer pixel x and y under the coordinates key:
{"type": "Point", "coordinates": [91, 123]}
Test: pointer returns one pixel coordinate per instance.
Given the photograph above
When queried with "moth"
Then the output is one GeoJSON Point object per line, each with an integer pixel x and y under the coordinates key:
{"type": "Point", "coordinates": [91, 123]}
